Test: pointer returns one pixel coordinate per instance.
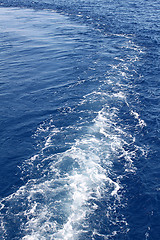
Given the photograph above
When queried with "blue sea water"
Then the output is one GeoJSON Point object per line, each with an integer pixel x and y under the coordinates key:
{"type": "Point", "coordinates": [80, 120]}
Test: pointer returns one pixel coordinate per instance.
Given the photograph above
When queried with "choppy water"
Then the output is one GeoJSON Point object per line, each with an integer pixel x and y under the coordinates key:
{"type": "Point", "coordinates": [79, 120]}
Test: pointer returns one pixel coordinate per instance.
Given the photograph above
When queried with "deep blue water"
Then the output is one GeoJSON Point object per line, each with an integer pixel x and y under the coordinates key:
{"type": "Point", "coordinates": [80, 120]}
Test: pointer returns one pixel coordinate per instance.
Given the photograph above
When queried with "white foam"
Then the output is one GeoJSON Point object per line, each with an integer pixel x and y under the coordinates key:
{"type": "Point", "coordinates": [91, 178]}
{"type": "Point", "coordinates": [141, 122]}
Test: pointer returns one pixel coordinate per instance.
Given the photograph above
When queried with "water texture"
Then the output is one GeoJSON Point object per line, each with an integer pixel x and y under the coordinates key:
{"type": "Point", "coordinates": [79, 120]}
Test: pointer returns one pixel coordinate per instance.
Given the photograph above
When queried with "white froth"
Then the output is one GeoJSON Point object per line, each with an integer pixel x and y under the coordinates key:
{"type": "Point", "coordinates": [141, 122]}
{"type": "Point", "coordinates": [89, 180]}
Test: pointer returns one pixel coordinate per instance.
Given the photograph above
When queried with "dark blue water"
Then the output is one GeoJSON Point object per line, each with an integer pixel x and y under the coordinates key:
{"type": "Point", "coordinates": [80, 120]}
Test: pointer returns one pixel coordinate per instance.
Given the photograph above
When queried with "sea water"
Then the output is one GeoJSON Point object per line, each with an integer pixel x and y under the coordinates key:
{"type": "Point", "coordinates": [79, 120]}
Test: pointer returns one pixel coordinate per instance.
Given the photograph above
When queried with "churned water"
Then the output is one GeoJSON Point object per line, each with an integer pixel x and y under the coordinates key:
{"type": "Point", "coordinates": [79, 120]}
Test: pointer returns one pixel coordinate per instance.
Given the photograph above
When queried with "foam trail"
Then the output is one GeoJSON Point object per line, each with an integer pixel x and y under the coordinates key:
{"type": "Point", "coordinates": [87, 182]}
{"type": "Point", "coordinates": [90, 181]}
